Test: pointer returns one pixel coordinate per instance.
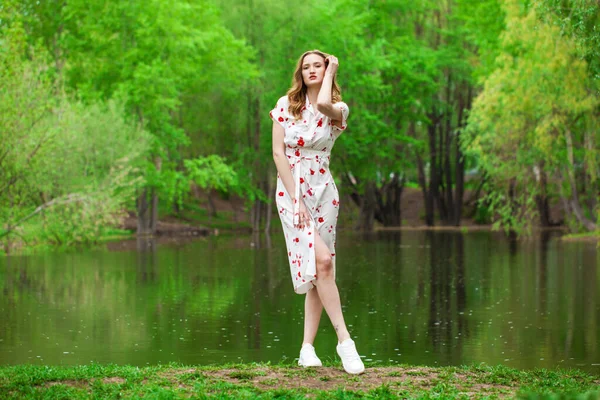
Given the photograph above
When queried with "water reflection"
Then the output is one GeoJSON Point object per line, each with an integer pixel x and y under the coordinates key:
{"type": "Point", "coordinates": [435, 298]}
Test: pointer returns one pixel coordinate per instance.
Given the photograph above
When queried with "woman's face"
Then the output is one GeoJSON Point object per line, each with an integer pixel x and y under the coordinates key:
{"type": "Point", "coordinates": [313, 70]}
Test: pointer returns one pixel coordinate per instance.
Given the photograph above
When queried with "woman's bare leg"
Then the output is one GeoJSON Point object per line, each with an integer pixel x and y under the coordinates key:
{"type": "Point", "coordinates": [327, 288]}
{"type": "Point", "coordinates": [313, 309]}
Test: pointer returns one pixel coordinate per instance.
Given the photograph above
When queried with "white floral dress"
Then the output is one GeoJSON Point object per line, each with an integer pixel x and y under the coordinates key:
{"type": "Point", "coordinates": [308, 144]}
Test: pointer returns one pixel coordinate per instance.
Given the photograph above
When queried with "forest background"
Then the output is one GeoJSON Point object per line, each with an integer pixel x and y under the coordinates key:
{"type": "Point", "coordinates": [109, 108]}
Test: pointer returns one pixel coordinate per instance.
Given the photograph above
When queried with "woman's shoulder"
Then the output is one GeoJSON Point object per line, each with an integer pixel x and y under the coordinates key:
{"type": "Point", "coordinates": [283, 100]}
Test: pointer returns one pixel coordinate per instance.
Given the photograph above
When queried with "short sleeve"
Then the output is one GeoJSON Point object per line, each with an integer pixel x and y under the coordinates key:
{"type": "Point", "coordinates": [345, 111]}
{"type": "Point", "coordinates": [278, 114]}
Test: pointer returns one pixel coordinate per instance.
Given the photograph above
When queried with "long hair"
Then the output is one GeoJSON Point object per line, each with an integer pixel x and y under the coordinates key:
{"type": "Point", "coordinates": [297, 93]}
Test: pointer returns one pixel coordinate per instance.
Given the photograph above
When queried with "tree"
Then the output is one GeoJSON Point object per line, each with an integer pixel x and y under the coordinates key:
{"type": "Point", "coordinates": [525, 125]}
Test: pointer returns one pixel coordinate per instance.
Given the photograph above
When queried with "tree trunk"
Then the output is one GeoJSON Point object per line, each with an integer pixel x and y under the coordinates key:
{"type": "Point", "coordinates": [154, 200]}
{"type": "Point", "coordinates": [447, 171]}
{"type": "Point", "coordinates": [212, 210]}
{"type": "Point", "coordinates": [593, 190]}
{"type": "Point", "coordinates": [574, 201]}
{"type": "Point", "coordinates": [541, 199]}
{"type": "Point", "coordinates": [269, 209]}
{"type": "Point", "coordinates": [143, 225]}
{"type": "Point", "coordinates": [460, 161]}
{"type": "Point", "coordinates": [427, 197]}
{"type": "Point", "coordinates": [367, 209]}
{"type": "Point", "coordinates": [258, 206]}
{"type": "Point", "coordinates": [388, 202]}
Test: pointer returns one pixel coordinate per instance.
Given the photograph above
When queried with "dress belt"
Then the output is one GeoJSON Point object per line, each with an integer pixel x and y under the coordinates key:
{"type": "Point", "coordinates": [298, 165]}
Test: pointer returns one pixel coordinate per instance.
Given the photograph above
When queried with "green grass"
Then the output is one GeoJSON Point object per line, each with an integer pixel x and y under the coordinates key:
{"type": "Point", "coordinates": [249, 381]}
{"type": "Point", "coordinates": [583, 236]}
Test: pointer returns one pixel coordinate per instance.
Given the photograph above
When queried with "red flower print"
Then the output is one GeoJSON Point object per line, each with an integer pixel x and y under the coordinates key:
{"type": "Point", "coordinates": [289, 253]}
{"type": "Point", "coordinates": [301, 142]}
{"type": "Point", "coordinates": [270, 114]}
{"type": "Point", "coordinates": [280, 119]}
{"type": "Point", "coordinates": [297, 153]}
{"type": "Point", "coordinates": [282, 109]}
{"type": "Point", "coordinates": [296, 240]}
{"type": "Point", "coordinates": [335, 202]}
{"type": "Point", "coordinates": [310, 193]}
{"type": "Point", "coordinates": [321, 219]}
{"type": "Point", "coordinates": [280, 194]}
{"type": "Point", "coordinates": [322, 170]}
{"type": "Point", "coordinates": [299, 274]}
{"type": "Point", "coordinates": [304, 121]}
{"type": "Point", "coordinates": [320, 123]}
{"type": "Point", "coordinates": [301, 180]}
{"type": "Point", "coordinates": [310, 245]}
{"type": "Point", "coordinates": [312, 172]}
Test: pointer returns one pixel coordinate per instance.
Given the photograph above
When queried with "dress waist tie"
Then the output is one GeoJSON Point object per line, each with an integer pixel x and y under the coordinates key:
{"type": "Point", "coordinates": [298, 165]}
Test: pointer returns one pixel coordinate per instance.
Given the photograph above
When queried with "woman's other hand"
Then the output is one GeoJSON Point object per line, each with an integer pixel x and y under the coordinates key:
{"type": "Point", "coordinates": [304, 217]}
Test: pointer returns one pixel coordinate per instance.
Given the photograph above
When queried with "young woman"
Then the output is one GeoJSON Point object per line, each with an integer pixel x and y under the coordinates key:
{"type": "Point", "coordinates": [306, 123]}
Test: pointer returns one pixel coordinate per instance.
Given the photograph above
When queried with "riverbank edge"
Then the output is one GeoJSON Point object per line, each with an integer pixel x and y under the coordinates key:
{"type": "Point", "coordinates": [264, 380]}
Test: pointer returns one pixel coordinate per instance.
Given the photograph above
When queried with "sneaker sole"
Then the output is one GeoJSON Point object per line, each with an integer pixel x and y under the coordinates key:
{"type": "Point", "coordinates": [354, 373]}
{"type": "Point", "coordinates": [308, 366]}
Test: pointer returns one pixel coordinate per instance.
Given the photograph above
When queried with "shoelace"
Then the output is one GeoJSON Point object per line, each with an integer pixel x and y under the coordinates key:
{"type": "Point", "coordinates": [350, 352]}
{"type": "Point", "coordinates": [309, 352]}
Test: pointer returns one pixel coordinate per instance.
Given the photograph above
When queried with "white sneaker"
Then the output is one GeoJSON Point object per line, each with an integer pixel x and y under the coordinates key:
{"type": "Point", "coordinates": [308, 357]}
{"type": "Point", "coordinates": [350, 358]}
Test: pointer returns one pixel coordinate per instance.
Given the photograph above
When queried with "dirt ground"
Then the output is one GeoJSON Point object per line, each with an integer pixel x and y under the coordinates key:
{"type": "Point", "coordinates": [327, 378]}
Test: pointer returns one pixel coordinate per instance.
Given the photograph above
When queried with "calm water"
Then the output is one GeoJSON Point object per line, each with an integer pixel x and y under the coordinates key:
{"type": "Point", "coordinates": [411, 297]}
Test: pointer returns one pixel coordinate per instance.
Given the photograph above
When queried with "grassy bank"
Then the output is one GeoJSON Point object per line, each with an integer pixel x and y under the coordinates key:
{"type": "Point", "coordinates": [288, 381]}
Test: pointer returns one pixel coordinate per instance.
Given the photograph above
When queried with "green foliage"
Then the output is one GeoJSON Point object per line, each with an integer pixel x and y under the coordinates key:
{"type": "Point", "coordinates": [521, 123]}
{"type": "Point", "coordinates": [211, 173]}
{"type": "Point", "coordinates": [199, 76]}
{"type": "Point", "coordinates": [69, 167]}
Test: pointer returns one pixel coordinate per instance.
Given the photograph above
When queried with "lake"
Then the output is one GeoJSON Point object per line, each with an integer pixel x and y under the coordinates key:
{"type": "Point", "coordinates": [410, 297]}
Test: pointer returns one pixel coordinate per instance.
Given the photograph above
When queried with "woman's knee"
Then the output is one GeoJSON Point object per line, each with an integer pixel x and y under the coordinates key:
{"type": "Point", "coordinates": [324, 264]}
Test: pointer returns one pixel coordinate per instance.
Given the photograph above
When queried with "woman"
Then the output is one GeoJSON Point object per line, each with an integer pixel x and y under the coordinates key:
{"type": "Point", "coordinates": [306, 123]}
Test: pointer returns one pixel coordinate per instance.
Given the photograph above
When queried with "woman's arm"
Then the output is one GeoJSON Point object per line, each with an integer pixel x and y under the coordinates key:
{"type": "Point", "coordinates": [281, 161]}
{"type": "Point", "coordinates": [285, 173]}
{"type": "Point", "coordinates": [324, 104]}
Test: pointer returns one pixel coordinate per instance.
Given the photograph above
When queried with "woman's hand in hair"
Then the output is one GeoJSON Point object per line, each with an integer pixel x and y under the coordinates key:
{"type": "Point", "coordinates": [332, 66]}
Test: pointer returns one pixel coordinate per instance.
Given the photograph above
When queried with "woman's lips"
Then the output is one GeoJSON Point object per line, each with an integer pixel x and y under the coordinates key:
{"type": "Point", "coordinates": [312, 77]}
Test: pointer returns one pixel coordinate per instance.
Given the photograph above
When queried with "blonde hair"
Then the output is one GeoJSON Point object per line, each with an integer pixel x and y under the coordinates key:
{"type": "Point", "coordinates": [297, 93]}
